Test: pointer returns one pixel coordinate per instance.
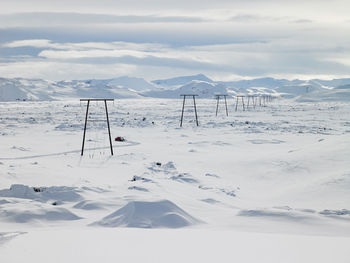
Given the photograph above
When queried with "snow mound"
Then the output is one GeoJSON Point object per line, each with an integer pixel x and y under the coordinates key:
{"type": "Point", "coordinates": [158, 214]}
{"type": "Point", "coordinates": [37, 214]}
{"type": "Point", "coordinates": [42, 194]}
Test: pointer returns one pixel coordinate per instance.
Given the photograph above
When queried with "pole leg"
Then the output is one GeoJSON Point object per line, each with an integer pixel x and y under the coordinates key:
{"type": "Point", "coordinates": [226, 106]}
{"type": "Point", "coordinates": [248, 103]}
{"type": "Point", "coordinates": [195, 109]}
{"type": "Point", "coordinates": [109, 129]}
{"type": "Point", "coordinates": [182, 114]}
{"type": "Point", "coordinates": [86, 117]}
{"type": "Point", "coordinates": [217, 105]}
{"type": "Point", "coordinates": [236, 103]}
{"type": "Point", "coordinates": [243, 103]}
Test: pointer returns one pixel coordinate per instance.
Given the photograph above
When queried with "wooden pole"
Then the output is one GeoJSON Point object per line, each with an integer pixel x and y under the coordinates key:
{"type": "Point", "coordinates": [217, 104]}
{"type": "Point", "coordinates": [86, 117]}
{"type": "Point", "coordinates": [182, 114]}
{"type": "Point", "coordinates": [243, 103]}
{"type": "Point", "coordinates": [226, 105]}
{"type": "Point", "coordinates": [195, 109]}
{"type": "Point", "coordinates": [109, 129]}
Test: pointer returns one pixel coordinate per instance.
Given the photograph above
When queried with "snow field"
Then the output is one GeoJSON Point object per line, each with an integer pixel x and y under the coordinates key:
{"type": "Point", "coordinates": [279, 169]}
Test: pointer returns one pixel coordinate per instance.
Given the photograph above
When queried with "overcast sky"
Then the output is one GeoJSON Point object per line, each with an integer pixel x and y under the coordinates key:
{"type": "Point", "coordinates": [224, 39]}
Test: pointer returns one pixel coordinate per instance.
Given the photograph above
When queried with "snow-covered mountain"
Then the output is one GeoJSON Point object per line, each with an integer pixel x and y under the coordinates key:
{"type": "Point", "coordinates": [133, 84]}
{"type": "Point", "coordinates": [25, 89]}
{"type": "Point", "coordinates": [110, 88]}
{"type": "Point", "coordinates": [131, 87]}
{"type": "Point", "coordinates": [37, 89]}
{"type": "Point", "coordinates": [202, 88]}
{"type": "Point", "coordinates": [178, 81]}
{"type": "Point", "coordinates": [291, 91]}
{"type": "Point", "coordinates": [261, 82]}
{"type": "Point", "coordinates": [340, 93]}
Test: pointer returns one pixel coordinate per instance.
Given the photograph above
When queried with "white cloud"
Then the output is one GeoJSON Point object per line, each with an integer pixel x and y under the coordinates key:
{"type": "Point", "coordinates": [220, 38]}
{"type": "Point", "coordinates": [52, 70]}
{"type": "Point", "coordinates": [40, 43]}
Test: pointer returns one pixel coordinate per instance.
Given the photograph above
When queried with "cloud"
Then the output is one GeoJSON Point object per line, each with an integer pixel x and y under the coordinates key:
{"type": "Point", "coordinates": [53, 70]}
{"type": "Point", "coordinates": [38, 19]}
{"type": "Point", "coordinates": [302, 21]}
{"type": "Point", "coordinates": [245, 59]}
{"type": "Point", "coordinates": [39, 43]}
{"type": "Point", "coordinates": [150, 37]}
{"type": "Point", "coordinates": [253, 18]}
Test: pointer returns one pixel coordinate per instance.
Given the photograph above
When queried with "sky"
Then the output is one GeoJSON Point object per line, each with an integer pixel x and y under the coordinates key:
{"type": "Point", "coordinates": [154, 39]}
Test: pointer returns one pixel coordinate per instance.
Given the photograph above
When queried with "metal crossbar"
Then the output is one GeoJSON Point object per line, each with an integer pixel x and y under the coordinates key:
{"type": "Point", "coordinates": [96, 99]}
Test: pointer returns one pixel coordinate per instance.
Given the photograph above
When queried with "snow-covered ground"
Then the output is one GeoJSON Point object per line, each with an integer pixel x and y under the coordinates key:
{"type": "Point", "coordinates": [270, 184]}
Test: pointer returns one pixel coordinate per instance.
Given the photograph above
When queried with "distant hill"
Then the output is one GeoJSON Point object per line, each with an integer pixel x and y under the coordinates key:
{"type": "Point", "coordinates": [181, 80]}
{"type": "Point", "coordinates": [202, 88]}
{"type": "Point", "coordinates": [340, 93]}
{"type": "Point", "coordinates": [24, 89]}
{"type": "Point", "coordinates": [12, 89]}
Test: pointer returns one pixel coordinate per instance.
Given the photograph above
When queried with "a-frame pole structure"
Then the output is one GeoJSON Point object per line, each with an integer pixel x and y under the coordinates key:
{"type": "Point", "coordinates": [183, 107]}
{"type": "Point", "coordinates": [217, 104]}
{"type": "Point", "coordinates": [237, 102]}
{"type": "Point", "coordinates": [86, 120]}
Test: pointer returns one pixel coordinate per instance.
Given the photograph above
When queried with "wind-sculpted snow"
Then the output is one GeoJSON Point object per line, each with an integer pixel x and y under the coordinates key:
{"type": "Point", "coordinates": [37, 214]}
{"type": "Point", "coordinates": [280, 168]}
{"type": "Point", "coordinates": [156, 214]}
{"type": "Point", "coordinates": [42, 194]}
{"type": "Point", "coordinates": [277, 215]}
{"type": "Point", "coordinates": [7, 236]}
{"type": "Point", "coordinates": [89, 205]}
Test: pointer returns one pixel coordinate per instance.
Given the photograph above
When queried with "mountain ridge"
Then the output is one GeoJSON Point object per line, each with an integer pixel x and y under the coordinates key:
{"type": "Point", "coordinates": [12, 89]}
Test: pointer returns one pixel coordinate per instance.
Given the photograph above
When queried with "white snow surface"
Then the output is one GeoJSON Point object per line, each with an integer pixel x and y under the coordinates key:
{"type": "Point", "coordinates": [158, 214]}
{"type": "Point", "coordinates": [269, 184]}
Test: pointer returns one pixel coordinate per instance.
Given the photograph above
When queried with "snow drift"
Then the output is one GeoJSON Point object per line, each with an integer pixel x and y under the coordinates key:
{"type": "Point", "coordinates": [37, 214]}
{"type": "Point", "coordinates": [42, 194]}
{"type": "Point", "coordinates": [158, 214]}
